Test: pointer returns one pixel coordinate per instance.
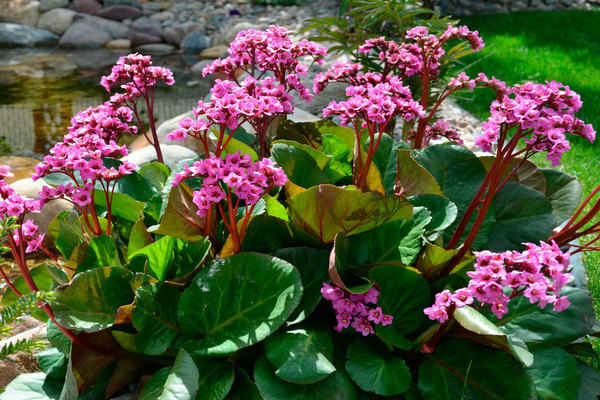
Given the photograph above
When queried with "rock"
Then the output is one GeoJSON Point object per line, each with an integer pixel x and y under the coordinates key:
{"type": "Point", "coordinates": [173, 35]}
{"type": "Point", "coordinates": [152, 6]}
{"type": "Point", "coordinates": [219, 51]}
{"type": "Point", "coordinates": [195, 42]}
{"type": "Point", "coordinates": [30, 188]}
{"type": "Point", "coordinates": [130, 3]}
{"type": "Point", "coordinates": [21, 167]}
{"type": "Point", "coordinates": [47, 5]}
{"type": "Point", "coordinates": [300, 115]}
{"type": "Point", "coordinates": [196, 69]}
{"type": "Point", "coordinates": [566, 3]}
{"type": "Point", "coordinates": [118, 44]}
{"type": "Point", "coordinates": [85, 34]}
{"type": "Point", "coordinates": [191, 26]}
{"type": "Point", "coordinates": [227, 34]}
{"type": "Point", "coordinates": [147, 26]}
{"type": "Point", "coordinates": [115, 29]}
{"type": "Point", "coordinates": [15, 35]}
{"type": "Point", "coordinates": [172, 154]}
{"type": "Point", "coordinates": [170, 125]}
{"type": "Point", "coordinates": [138, 39]}
{"type": "Point", "coordinates": [26, 14]}
{"type": "Point", "coordinates": [163, 16]}
{"type": "Point", "coordinates": [119, 13]}
{"type": "Point", "coordinates": [86, 6]}
{"type": "Point", "coordinates": [155, 48]}
{"type": "Point", "coordinates": [57, 20]}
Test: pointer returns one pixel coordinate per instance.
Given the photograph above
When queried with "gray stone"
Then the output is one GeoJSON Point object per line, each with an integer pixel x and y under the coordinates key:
{"type": "Point", "coordinates": [196, 69]}
{"type": "Point", "coordinates": [26, 13]}
{"type": "Point", "coordinates": [170, 125]}
{"type": "Point", "coordinates": [172, 154]}
{"type": "Point", "coordinates": [131, 3]}
{"type": "Point", "coordinates": [138, 39]}
{"type": "Point", "coordinates": [119, 13]}
{"type": "Point", "coordinates": [15, 35]}
{"type": "Point", "coordinates": [173, 35]}
{"type": "Point", "coordinates": [115, 29]}
{"type": "Point", "coordinates": [152, 6]}
{"type": "Point", "coordinates": [227, 34]}
{"type": "Point", "coordinates": [147, 26]}
{"type": "Point", "coordinates": [86, 6]}
{"type": "Point", "coordinates": [47, 5]}
{"type": "Point", "coordinates": [549, 2]}
{"type": "Point", "coordinates": [155, 48]}
{"type": "Point", "coordinates": [57, 20]}
{"type": "Point", "coordinates": [85, 34]}
{"type": "Point", "coordinates": [566, 3]}
{"type": "Point", "coordinates": [219, 51]}
{"type": "Point", "coordinates": [163, 16]}
{"type": "Point", "coordinates": [195, 42]}
{"type": "Point", "coordinates": [118, 44]}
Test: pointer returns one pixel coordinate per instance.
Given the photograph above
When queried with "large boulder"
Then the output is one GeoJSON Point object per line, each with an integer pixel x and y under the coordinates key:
{"type": "Point", "coordinates": [228, 33]}
{"type": "Point", "coordinates": [20, 12]}
{"type": "Point", "coordinates": [116, 30]}
{"type": "Point", "coordinates": [138, 39]}
{"type": "Point", "coordinates": [119, 13]}
{"type": "Point", "coordinates": [195, 42]}
{"type": "Point", "coordinates": [85, 34]}
{"type": "Point", "coordinates": [172, 154]}
{"type": "Point", "coordinates": [57, 20]}
{"type": "Point", "coordinates": [170, 125]}
{"type": "Point", "coordinates": [173, 35]}
{"type": "Point", "coordinates": [15, 35]}
{"type": "Point", "coordinates": [86, 6]}
{"type": "Point", "coordinates": [30, 188]}
{"type": "Point", "coordinates": [47, 5]}
{"type": "Point", "coordinates": [155, 49]}
{"type": "Point", "coordinates": [131, 3]}
{"type": "Point", "coordinates": [147, 26]}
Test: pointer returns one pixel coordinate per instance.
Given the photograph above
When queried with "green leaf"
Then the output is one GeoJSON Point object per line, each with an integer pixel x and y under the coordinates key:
{"type": "Point", "coordinates": [434, 259]}
{"type": "Point", "coordinates": [413, 179]}
{"type": "Point", "coordinates": [339, 165]}
{"type": "Point", "coordinates": [460, 174]}
{"type": "Point", "coordinates": [443, 212]}
{"type": "Point", "coordinates": [590, 382]}
{"type": "Point", "coordinates": [267, 234]}
{"type": "Point", "coordinates": [403, 294]}
{"type": "Point", "coordinates": [376, 371]}
{"type": "Point", "coordinates": [390, 335]}
{"type": "Point", "coordinates": [386, 159]}
{"type": "Point", "coordinates": [523, 215]}
{"type": "Point", "coordinates": [531, 324]}
{"type": "Point", "coordinates": [132, 184]}
{"type": "Point", "coordinates": [122, 205]}
{"type": "Point", "coordinates": [236, 145]}
{"type": "Point", "coordinates": [326, 210]}
{"type": "Point", "coordinates": [155, 173]}
{"type": "Point", "coordinates": [179, 218]}
{"type": "Point", "coordinates": [180, 382]}
{"type": "Point", "coordinates": [335, 387]}
{"type": "Point", "coordinates": [528, 173]}
{"type": "Point", "coordinates": [159, 255]}
{"type": "Point", "coordinates": [308, 133]}
{"type": "Point", "coordinates": [299, 166]}
{"type": "Point", "coordinates": [102, 252]}
{"type": "Point", "coordinates": [192, 255]}
{"type": "Point", "coordinates": [139, 237]}
{"type": "Point", "coordinates": [53, 363]}
{"type": "Point", "coordinates": [154, 315]}
{"type": "Point", "coordinates": [460, 368]}
{"type": "Point", "coordinates": [244, 299]}
{"type": "Point", "coordinates": [57, 338]}
{"type": "Point", "coordinates": [243, 388]}
{"type": "Point", "coordinates": [302, 356]}
{"type": "Point", "coordinates": [30, 387]}
{"type": "Point", "coordinates": [90, 302]}
{"type": "Point", "coordinates": [65, 229]}
{"type": "Point", "coordinates": [564, 193]}
{"type": "Point", "coordinates": [216, 378]}
{"type": "Point", "coordinates": [313, 265]}
{"type": "Point", "coordinates": [270, 206]}
{"type": "Point", "coordinates": [554, 372]}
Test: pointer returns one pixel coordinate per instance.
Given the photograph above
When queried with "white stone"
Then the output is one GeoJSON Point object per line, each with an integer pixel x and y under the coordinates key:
{"type": "Point", "coordinates": [57, 20]}
{"type": "Point", "coordinates": [172, 154]}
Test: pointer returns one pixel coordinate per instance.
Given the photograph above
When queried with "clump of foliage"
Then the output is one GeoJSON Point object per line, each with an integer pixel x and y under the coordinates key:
{"type": "Point", "coordinates": [325, 260]}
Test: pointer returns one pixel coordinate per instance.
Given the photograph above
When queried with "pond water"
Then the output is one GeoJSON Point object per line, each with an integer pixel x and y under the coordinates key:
{"type": "Point", "coordinates": [41, 89]}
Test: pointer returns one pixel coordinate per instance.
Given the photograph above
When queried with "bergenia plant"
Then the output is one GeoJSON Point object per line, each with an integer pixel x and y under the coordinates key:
{"type": "Point", "coordinates": [327, 262]}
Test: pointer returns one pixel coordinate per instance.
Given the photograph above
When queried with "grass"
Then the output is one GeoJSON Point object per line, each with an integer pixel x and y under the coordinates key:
{"type": "Point", "coordinates": [540, 46]}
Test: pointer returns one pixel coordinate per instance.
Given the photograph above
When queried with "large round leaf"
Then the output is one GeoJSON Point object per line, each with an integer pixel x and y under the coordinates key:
{"type": "Point", "coordinates": [90, 302]}
{"type": "Point", "coordinates": [30, 387]}
{"type": "Point", "coordinates": [326, 210]}
{"type": "Point", "coordinates": [404, 295]}
{"type": "Point", "coordinates": [554, 372]}
{"type": "Point", "coordinates": [335, 387]}
{"type": "Point", "coordinates": [238, 301]}
{"type": "Point", "coordinates": [243, 388]}
{"type": "Point", "coordinates": [180, 382]}
{"type": "Point", "coordinates": [564, 192]}
{"type": "Point", "coordinates": [216, 378]}
{"type": "Point", "coordinates": [460, 368]}
{"type": "Point", "coordinates": [300, 166]}
{"type": "Point", "coordinates": [154, 315]}
{"type": "Point", "coordinates": [302, 356]}
{"type": "Point", "coordinates": [375, 371]}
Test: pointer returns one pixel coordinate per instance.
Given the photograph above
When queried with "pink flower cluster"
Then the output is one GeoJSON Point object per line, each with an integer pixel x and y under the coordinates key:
{"type": "Point", "coordinates": [31, 236]}
{"type": "Point", "coordinates": [352, 309]}
{"type": "Point", "coordinates": [441, 129]}
{"type": "Point", "coordinates": [538, 273]}
{"type": "Point", "coordinates": [257, 52]}
{"type": "Point", "coordinates": [92, 137]}
{"type": "Point", "coordinates": [545, 112]}
{"type": "Point", "coordinates": [237, 173]}
{"type": "Point", "coordinates": [136, 75]}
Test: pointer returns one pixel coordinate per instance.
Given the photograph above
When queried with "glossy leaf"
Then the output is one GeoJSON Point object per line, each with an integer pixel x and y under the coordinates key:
{"type": "Point", "coordinates": [523, 215]}
{"type": "Point", "coordinates": [154, 315]}
{"type": "Point", "coordinates": [244, 298]}
{"type": "Point", "coordinates": [335, 387]}
{"type": "Point", "coordinates": [30, 387]}
{"type": "Point", "coordinates": [155, 173]}
{"type": "Point", "coordinates": [139, 237]}
{"type": "Point", "coordinates": [299, 166]}
{"type": "Point", "coordinates": [391, 336]}
{"type": "Point", "coordinates": [564, 192]}
{"type": "Point", "coordinates": [443, 212]}
{"type": "Point", "coordinates": [179, 218]}
{"type": "Point", "coordinates": [66, 232]}
{"type": "Point", "coordinates": [53, 363]}
{"type": "Point", "coordinates": [325, 210]}
{"type": "Point", "coordinates": [216, 378]}
{"type": "Point", "coordinates": [302, 356]}
{"type": "Point", "coordinates": [528, 173]}
{"type": "Point", "coordinates": [554, 372]}
{"type": "Point", "coordinates": [532, 324]}
{"type": "Point", "coordinates": [267, 234]}
{"type": "Point", "coordinates": [413, 179]}
{"type": "Point", "coordinates": [434, 259]}
{"type": "Point", "coordinates": [154, 387]}
{"type": "Point", "coordinates": [191, 256]}
{"type": "Point", "coordinates": [376, 371]}
{"type": "Point", "coordinates": [403, 294]}
{"type": "Point", "coordinates": [243, 388]}
{"type": "Point", "coordinates": [460, 368]}
{"type": "Point", "coordinates": [101, 252]}
{"type": "Point", "coordinates": [180, 382]}
{"type": "Point", "coordinates": [132, 184]}
{"type": "Point", "coordinates": [339, 165]}
{"type": "Point", "coordinates": [386, 160]}
{"type": "Point", "coordinates": [122, 205]}
{"type": "Point", "coordinates": [159, 255]}
{"type": "Point", "coordinates": [590, 382]}
{"type": "Point", "coordinates": [236, 145]}
{"type": "Point", "coordinates": [90, 302]}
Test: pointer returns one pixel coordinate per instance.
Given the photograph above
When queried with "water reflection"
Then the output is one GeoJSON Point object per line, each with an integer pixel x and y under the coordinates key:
{"type": "Point", "coordinates": [40, 90]}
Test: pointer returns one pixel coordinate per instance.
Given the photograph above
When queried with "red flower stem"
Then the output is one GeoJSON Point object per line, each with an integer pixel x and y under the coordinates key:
{"type": "Point", "coordinates": [237, 246]}
{"type": "Point", "coordinates": [9, 283]}
{"type": "Point", "coordinates": [150, 109]}
{"type": "Point", "coordinates": [418, 143]}
{"type": "Point", "coordinates": [139, 121]}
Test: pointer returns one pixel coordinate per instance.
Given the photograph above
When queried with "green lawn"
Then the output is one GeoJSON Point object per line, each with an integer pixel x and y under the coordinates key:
{"type": "Point", "coordinates": [540, 46]}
